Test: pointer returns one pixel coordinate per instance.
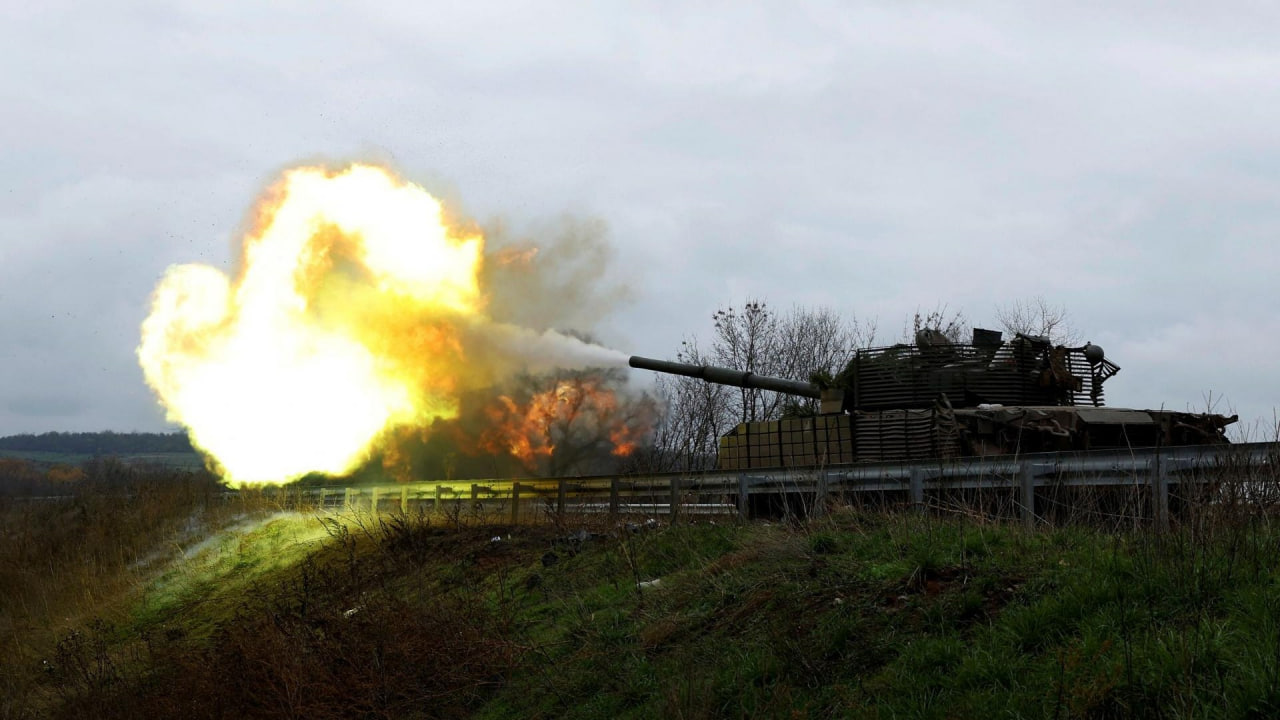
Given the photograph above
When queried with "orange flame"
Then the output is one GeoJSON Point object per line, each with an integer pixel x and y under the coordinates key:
{"type": "Point", "coordinates": [580, 411]}
{"type": "Point", "coordinates": [515, 256]}
{"type": "Point", "coordinates": [341, 323]}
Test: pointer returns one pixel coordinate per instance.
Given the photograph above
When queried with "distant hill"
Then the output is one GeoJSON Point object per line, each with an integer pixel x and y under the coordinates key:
{"type": "Point", "coordinates": [97, 443]}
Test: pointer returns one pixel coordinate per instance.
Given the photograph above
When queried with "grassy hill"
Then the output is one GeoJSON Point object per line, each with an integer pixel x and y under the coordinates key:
{"type": "Point", "coordinates": [178, 603]}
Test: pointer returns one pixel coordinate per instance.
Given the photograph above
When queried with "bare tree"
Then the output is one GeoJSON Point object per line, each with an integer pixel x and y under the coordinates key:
{"type": "Point", "coordinates": [951, 323]}
{"type": "Point", "coordinates": [695, 415]}
{"type": "Point", "coordinates": [1037, 316]}
{"type": "Point", "coordinates": [754, 338]}
{"type": "Point", "coordinates": [749, 339]}
{"type": "Point", "coordinates": [818, 341]}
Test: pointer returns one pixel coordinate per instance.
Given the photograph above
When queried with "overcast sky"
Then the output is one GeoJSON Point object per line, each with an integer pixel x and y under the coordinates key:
{"type": "Point", "coordinates": [873, 157]}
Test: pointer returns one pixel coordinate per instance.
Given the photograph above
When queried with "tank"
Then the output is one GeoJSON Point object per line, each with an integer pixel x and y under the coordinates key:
{"type": "Point", "coordinates": [939, 399]}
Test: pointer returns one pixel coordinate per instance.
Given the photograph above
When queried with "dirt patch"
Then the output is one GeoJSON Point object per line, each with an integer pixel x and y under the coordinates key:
{"type": "Point", "coordinates": [935, 584]}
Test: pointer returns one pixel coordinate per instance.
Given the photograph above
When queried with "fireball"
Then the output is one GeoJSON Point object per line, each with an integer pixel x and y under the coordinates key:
{"type": "Point", "coordinates": [343, 321]}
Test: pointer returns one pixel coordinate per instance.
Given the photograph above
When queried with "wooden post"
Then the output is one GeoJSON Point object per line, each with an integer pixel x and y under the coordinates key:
{"type": "Point", "coordinates": [917, 489]}
{"type": "Point", "coordinates": [404, 499]}
{"type": "Point", "coordinates": [1160, 493]}
{"type": "Point", "coordinates": [613, 497]}
{"type": "Point", "coordinates": [321, 498]}
{"type": "Point", "coordinates": [437, 503]}
{"type": "Point", "coordinates": [1027, 476]}
{"type": "Point", "coordinates": [561, 492]}
{"type": "Point", "coordinates": [744, 497]}
{"type": "Point", "coordinates": [373, 501]}
{"type": "Point", "coordinates": [515, 503]}
{"type": "Point", "coordinates": [346, 499]}
{"type": "Point", "coordinates": [675, 498]}
{"type": "Point", "coordinates": [820, 496]}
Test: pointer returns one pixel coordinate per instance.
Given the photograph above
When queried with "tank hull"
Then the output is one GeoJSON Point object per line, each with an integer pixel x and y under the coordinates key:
{"type": "Point", "coordinates": [914, 434]}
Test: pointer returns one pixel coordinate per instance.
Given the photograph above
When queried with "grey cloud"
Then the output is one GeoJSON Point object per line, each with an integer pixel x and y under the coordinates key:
{"type": "Point", "coordinates": [876, 157]}
{"type": "Point", "coordinates": [44, 406]}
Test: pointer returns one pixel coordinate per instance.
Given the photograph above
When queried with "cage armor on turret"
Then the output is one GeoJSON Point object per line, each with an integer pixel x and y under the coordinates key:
{"type": "Point", "coordinates": [936, 399]}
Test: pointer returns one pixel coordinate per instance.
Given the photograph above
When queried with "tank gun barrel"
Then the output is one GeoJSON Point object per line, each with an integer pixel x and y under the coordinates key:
{"type": "Point", "coordinates": [727, 376]}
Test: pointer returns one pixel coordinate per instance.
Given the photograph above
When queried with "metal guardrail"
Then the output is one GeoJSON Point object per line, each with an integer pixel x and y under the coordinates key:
{"type": "Point", "coordinates": [720, 492]}
{"type": "Point", "coordinates": [727, 491]}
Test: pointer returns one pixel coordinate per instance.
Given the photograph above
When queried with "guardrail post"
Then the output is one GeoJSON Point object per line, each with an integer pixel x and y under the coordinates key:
{"type": "Point", "coordinates": [561, 493]}
{"type": "Point", "coordinates": [820, 495]}
{"type": "Point", "coordinates": [321, 498]}
{"type": "Point", "coordinates": [436, 505]}
{"type": "Point", "coordinates": [404, 499]}
{"type": "Point", "coordinates": [1027, 476]}
{"type": "Point", "coordinates": [917, 489]}
{"type": "Point", "coordinates": [613, 497]}
{"type": "Point", "coordinates": [515, 503]}
{"type": "Point", "coordinates": [373, 501]}
{"type": "Point", "coordinates": [675, 498]}
{"type": "Point", "coordinates": [744, 497]}
{"type": "Point", "coordinates": [346, 499]}
{"type": "Point", "coordinates": [1160, 493]}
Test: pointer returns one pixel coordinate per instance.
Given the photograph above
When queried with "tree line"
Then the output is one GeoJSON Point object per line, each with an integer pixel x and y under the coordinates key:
{"type": "Point", "coordinates": [98, 443]}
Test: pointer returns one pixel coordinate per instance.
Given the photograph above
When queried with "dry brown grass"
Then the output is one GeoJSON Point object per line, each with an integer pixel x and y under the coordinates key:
{"type": "Point", "coordinates": [69, 565]}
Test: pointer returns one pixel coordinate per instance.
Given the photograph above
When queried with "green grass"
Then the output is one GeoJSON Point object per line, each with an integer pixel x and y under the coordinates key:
{"type": "Point", "coordinates": [855, 615]}
{"type": "Point", "coordinates": [205, 583]}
